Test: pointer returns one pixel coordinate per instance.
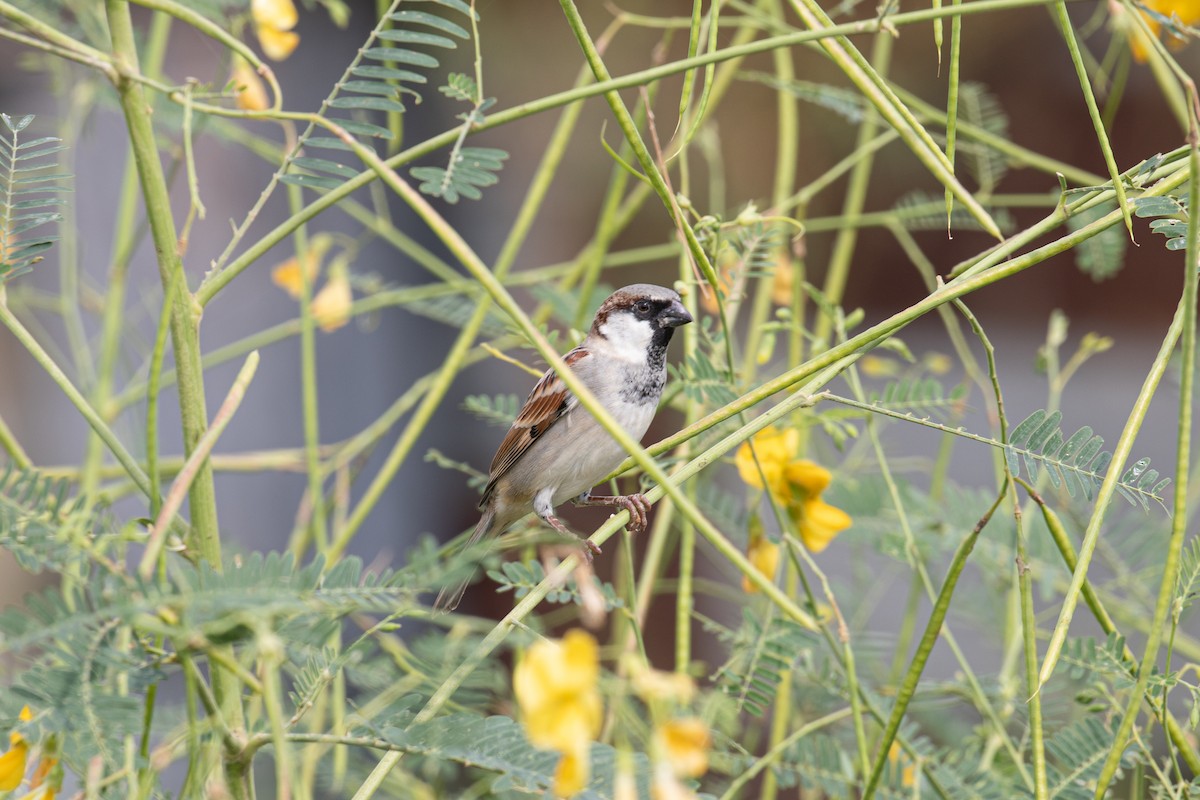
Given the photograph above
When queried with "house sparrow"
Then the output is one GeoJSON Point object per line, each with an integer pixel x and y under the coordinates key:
{"type": "Point", "coordinates": [555, 450]}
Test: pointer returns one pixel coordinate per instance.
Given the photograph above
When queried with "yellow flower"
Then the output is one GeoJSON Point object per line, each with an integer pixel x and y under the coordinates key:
{"type": "Point", "coordinates": [666, 786]}
{"type": "Point", "coordinates": [775, 448]}
{"type": "Point", "coordinates": [938, 363]}
{"type": "Point", "coordinates": [331, 306]}
{"type": "Point", "coordinates": [874, 366]}
{"type": "Point", "coordinates": [683, 744]}
{"type": "Point", "coordinates": [273, 22]}
{"type": "Point", "coordinates": [1186, 11]}
{"type": "Point", "coordinates": [795, 483]}
{"type": "Point", "coordinates": [555, 688]}
{"type": "Point", "coordinates": [573, 771]}
{"type": "Point", "coordinates": [12, 762]}
{"type": "Point", "coordinates": [287, 275]}
{"type": "Point", "coordinates": [651, 684]}
{"type": "Point", "coordinates": [625, 784]}
{"type": "Point", "coordinates": [783, 279]}
{"type": "Point", "coordinates": [251, 94]}
{"type": "Point", "coordinates": [817, 521]}
{"type": "Point", "coordinates": [908, 776]}
{"type": "Point", "coordinates": [762, 553]}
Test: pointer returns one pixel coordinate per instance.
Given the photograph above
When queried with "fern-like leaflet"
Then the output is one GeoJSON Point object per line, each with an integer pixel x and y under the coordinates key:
{"type": "Point", "coordinates": [921, 396]}
{"type": "Point", "coordinates": [1102, 255]}
{"type": "Point", "coordinates": [1174, 229]}
{"type": "Point", "coordinates": [1189, 576]}
{"type": "Point", "coordinates": [27, 191]}
{"type": "Point", "coordinates": [1077, 753]}
{"type": "Point", "coordinates": [701, 379]}
{"type": "Point", "coordinates": [920, 210]}
{"type": "Point", "coordinates": [521, 578]}
{"type": "Point", "coordinates": [979, 107]}
{"type": "Point", "coordinates": [384, 72]}
{"type": "Point", "coordinates": [469, 170]}
{"type": "Point", "coordinates": [1076, 462]}
{"type": "Point", "coordinates": [499, 744]}
{"type": "Point", "coordinates": [761, 653]}
{"type": "Point", "coordinates": [498, 409]}
{"type": "Point", "coordinates": [34, 513]}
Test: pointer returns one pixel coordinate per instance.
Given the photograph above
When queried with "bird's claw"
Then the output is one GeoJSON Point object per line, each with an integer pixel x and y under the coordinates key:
{"type": "Point", "coordinates": [639, 509]}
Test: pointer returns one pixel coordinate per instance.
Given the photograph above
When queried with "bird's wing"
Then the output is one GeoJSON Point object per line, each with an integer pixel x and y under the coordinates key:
{"type": "Point", "coordinates": [546, 404]}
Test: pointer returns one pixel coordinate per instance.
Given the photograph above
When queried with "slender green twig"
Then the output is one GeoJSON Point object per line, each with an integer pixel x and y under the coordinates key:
{"type": "Point", "coordinates": [93, 418]}
{"type": "Point", "coordinates": [932, 629]}
{"type": "Point", "coordinates": [10, 444]}
{"type": "Point", "coordinates": [191, 467]}
{"type": "Point", "coordinates": [855, 198]}
{"type": "Point", "coordinates": [1179, 738]}
{"type": "Point", "coordinates": [1104, 494]}
{"type": "Point", "coordinates": [217, 280]}
{"type": "Point", "coordinates": [1170, 576]}
{"type": "Point", "coordinates": [1089, 97]}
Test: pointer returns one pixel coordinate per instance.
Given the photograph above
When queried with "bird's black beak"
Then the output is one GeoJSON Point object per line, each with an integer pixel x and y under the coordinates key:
{"type": "Point", "coordinates": [674, 315]}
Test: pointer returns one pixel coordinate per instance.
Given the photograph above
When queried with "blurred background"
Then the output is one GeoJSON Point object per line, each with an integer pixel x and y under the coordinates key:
{"type": "Point", "coordinates": [528, 52]}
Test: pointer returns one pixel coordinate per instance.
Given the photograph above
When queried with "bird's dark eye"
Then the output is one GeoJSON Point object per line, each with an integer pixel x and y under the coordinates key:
{"type": "Point", "coordinates": [643, 308]}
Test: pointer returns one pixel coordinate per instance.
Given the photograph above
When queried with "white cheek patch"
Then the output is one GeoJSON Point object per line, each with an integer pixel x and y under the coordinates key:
{"type": "Point", "coordinates": [628, 336]}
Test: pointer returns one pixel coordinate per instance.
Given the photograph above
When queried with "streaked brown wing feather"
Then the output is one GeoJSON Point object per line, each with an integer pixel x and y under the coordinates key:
{"type": "Point", "coordinates": [548, 401]}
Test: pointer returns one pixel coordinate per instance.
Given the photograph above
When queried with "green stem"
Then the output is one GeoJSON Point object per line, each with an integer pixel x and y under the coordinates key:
{"type": "Point", "coordinates": [555, 151]}
{"type": "Point", "coordinates": [124, 240]}
{"type": "Point", "coordinates": [191, 466]}
{"type": "Point", "coordinates": [1089, 97]}
{"type": "Point", "coordinates": [932, 629]}
{"type": "Point", "coordinates": [9, 442]}
{"type": "Point", "coordinates": [1170, 576]}
{"type": "Point", "coordinates": [856, 197]}
{"type": "Point", "coordinates": [1104, 494]}
{"type": "Point", "coordinates": [90, 415]}
{"type": "Point", "coordinates": [1062, 541]}
{"type": "Point", "coordinates": [185, 319]}
{"type": "Point", "coordinates": [218, 279]}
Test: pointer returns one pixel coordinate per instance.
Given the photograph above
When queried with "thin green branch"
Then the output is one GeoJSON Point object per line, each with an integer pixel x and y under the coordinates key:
{"type": "Point", "coordinates": [1170, 576]}
{"type": "Point", "coordinates": [932, 629]}
{"type": "Point", "coordinates": [191, 467]}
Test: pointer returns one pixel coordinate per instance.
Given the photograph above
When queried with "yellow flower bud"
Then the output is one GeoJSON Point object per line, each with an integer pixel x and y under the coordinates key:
{"type": "Point", "coordinates": [251, 94]}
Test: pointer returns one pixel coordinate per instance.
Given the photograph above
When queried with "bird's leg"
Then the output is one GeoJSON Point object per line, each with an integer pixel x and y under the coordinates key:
{"type": "Point", "coordinates": [636, 504]}
{"type": "Point", "coordinates": [542, 507]}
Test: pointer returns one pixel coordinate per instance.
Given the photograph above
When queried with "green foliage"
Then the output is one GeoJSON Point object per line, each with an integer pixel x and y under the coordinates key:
{"type": "Point", "coordinates": [521, 577]}
{"type": "Point", "coordinates": [1175, 228]}
{"type": "Point", "coordinates": [1189, 575]}
{"type": "Point", "coordinates": [1103, 255]}
{"type": "Point", "coordinates": [498, 744]}
{"type": "Point", "coordinates": [498, 409]}
{"type": "Point", "coordinates": [1088, 659]}
{"type": "Point", "coordinates": [920, 396]}
{"type": "Point", "coordinates": [760, 652]}
{"type": "Point", "coordinates": [816, 763]}
{"type": "Point", "coordinates": [980, 107]}
{"type": "Point", "coordinates": [920, 210]}
{"type": "Point", "coordinates": [397, 58]}
{"type": "Point", "coordinates": [470, 169]}
{"type": "Point", "coordinates": [701, 379]}
{"type": "Point", "coordinates": [1077, 753]}
{"type": "Point", "coordinates": [843, 102]}
{"type": "Point", "coordinates": [28, 189]}
{"type": "Point", "coordinates": [37, 518]}
{"type": "Point", "coordinates": [1076, 462]}
{"type": "Point", "coordinates": [455, 311]}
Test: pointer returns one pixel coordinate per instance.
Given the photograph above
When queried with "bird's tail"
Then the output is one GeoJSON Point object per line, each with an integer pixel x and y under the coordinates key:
{"type": "Point", "coordinates": [451, 593]}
